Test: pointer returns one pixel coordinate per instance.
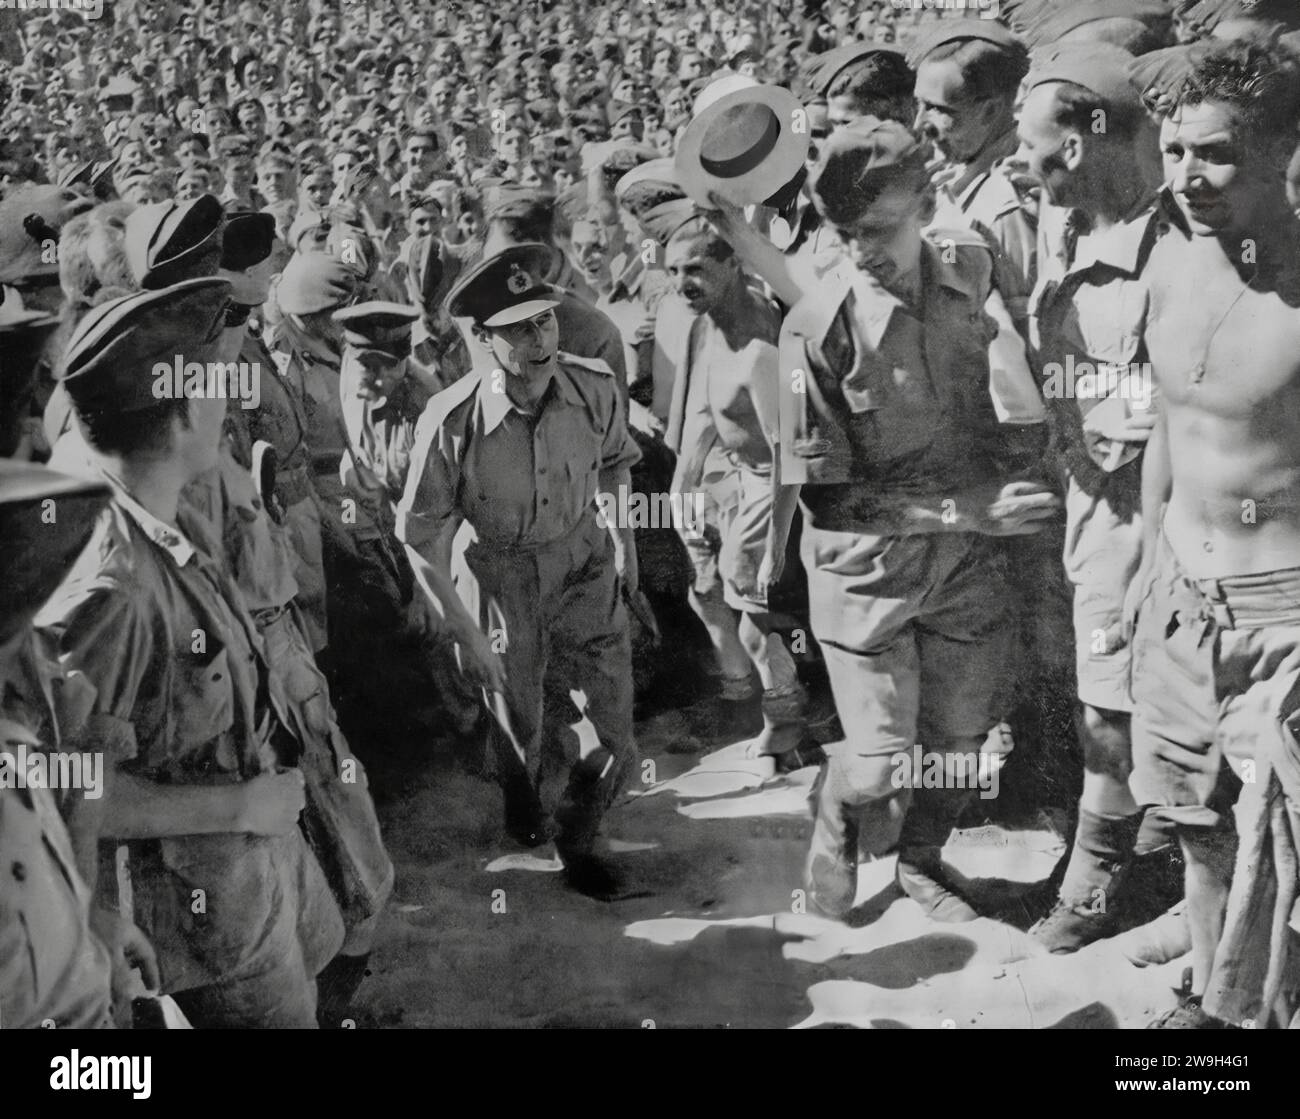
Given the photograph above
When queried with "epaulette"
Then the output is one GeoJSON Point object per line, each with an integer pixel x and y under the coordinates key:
{"type": "Point", "coordinates": [591, 364]}
{"type": "Point", "coordinates": [959, 236]}
{"type": "Point", "coordinates": [445, 401]}
{"type": "Point", "coordinates": [998, 194]}
{"type": "Point", "coordinates": [962, 257]}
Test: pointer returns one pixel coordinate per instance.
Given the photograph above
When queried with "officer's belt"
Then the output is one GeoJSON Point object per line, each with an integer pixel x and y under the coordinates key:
{"type": "Point", "coordinates": [325, 464]}
{"type": "Point", "coordinates": [293, 485]}
{"type": "Point", "coordinates": [531, 548]}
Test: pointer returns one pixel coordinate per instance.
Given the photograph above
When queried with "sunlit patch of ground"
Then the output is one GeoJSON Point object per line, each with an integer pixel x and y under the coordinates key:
{"type": "Point", "coordinates": [482, 933]}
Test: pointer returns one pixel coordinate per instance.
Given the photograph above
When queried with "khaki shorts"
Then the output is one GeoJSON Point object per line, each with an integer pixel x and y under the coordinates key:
{"type": "Point", "coordinates": [1102, 554]}
{"type": "Point", "coordinates": [727, 549]}
{"type": "Point", "coordinates": [1215, 663]}
{"type": "Point", "coordinates": [918, 635]}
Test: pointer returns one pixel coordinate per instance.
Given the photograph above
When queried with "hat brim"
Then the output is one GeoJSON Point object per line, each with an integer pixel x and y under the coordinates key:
{"type": "Point", "coordinates": [40, 548]}
{"type": "Point", "coordinates": [521, 311]}
{"type": "Point", "coordinates": [771, 173]}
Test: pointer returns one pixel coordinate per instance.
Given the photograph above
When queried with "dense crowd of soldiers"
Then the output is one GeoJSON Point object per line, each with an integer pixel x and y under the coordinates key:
{"type": "Point", "coordinates": [341, 346]}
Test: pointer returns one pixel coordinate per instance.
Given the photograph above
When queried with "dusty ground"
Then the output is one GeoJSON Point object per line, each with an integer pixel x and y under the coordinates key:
{"type": "Point", "coordinates": [481, 933]}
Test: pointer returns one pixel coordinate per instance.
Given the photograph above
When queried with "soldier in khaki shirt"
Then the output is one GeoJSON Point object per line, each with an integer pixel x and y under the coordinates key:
{"type": "Point", "coordinates": [888, 424]}
{"type": "Point", "coordinates": [519, 454]}
{"type": "Point", "coordinates": [1100, 222]}
{"type": "Point", "coordinates": [967, 72]}
{"type": "Point", "coordinates": [54, 970]}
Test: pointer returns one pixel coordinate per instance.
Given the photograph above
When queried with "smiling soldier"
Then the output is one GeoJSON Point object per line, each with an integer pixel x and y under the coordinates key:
{"type": "Point", "coordinates": [519, 453]}
{"type": "Point", "coordinates": [1216, 654]}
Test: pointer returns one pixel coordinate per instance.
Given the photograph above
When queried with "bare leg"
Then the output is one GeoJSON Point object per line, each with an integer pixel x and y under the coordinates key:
{"type": "Point", "coordinates": [1103, 841]}
{"type": "Point", "coordinates": [1209, 857]}
{"type": "Point", "coordinates": [1107, 759]}
{"type": "Point", "coordinates": [720, 620]}
{"type": "Point", "coordinates": [767, 651]}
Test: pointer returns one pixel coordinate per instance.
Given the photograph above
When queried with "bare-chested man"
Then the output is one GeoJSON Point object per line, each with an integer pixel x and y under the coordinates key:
{"type": "Point", "coordinates": [722, 422]}
{"type": "Point", "coordinates": [1217, 649]}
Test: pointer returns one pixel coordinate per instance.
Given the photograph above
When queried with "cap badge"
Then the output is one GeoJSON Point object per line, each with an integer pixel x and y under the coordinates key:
{"type": "Point", "coordinates": [518, 281]}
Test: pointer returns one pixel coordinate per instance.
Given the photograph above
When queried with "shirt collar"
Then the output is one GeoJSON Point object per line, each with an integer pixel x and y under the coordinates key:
{"type": "Point", "coordinates": [169, 539]}
{"type": "Point", "coordinates": [972, 175]}
{"type": "Point", "coordinates": [877, 303]}
{"type": "Point", "coordinates": [1121, 247]}
{"type": "Point", "coordinates": [942, 267]}
{"type": "Point", "coordinates": [495, 406]}
{"type": "Point", "coordinates": [630, 273]}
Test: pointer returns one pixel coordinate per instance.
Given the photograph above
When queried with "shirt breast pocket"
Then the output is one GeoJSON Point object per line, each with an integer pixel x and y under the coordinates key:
{"type": "Point", "coordinates": [583, 450]}
{"type": "Point", "coordinates": [1109, 324]}
{"type": "Point", "coordinates": [203, 712]}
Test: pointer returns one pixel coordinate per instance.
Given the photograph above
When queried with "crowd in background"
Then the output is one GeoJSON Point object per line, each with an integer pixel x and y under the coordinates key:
{"type": "Point", "coordinates": [825, 274]}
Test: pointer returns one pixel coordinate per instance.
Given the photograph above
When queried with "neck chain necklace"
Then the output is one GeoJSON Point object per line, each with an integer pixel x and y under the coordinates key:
{"type": "Point", "coordinates": [1198, 370]}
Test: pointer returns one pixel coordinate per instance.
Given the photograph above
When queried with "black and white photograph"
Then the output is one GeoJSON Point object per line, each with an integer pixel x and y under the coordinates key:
{"type": "Point", "coordinates": [651, 514]}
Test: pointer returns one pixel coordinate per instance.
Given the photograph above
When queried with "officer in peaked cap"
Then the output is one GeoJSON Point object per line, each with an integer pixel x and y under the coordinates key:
{"type": "Point", "coordinates": [381, 404]}
{"type": "Point", "coordinates": [31, 217]}
{"type": "Point", "coordinates": [532, 455]}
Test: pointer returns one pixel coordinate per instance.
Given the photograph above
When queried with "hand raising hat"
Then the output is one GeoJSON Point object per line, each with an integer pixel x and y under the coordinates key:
{"type": "Point", "coordinates": [744, 143]}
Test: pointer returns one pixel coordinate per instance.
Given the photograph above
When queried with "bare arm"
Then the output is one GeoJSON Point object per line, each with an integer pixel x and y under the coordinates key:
{"type": "Point", "coordinates": [1157, 483]}
{"type": "Point", "coordinates": [784, 503]}
{"type": "Point", "coordinates": [144, 809]}
{"type": "Point", "coordinates": [758, 254]}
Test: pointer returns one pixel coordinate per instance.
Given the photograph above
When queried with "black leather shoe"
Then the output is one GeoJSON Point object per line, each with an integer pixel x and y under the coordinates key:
{"type": "Point", "coordinates": [591, 877]}
{"type": "Point", "coordinates": [525, 820]}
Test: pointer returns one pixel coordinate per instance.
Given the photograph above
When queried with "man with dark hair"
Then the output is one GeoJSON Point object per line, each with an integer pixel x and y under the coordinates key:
{"type": "Point", "coordinates": [877, 82]}
{"type": "Point", "coordinates": [584, 331]}
{"type": "Point", "coordinates": [888, 425]}
{"type": "Point", "coordinates": [420, 158]}
{"type": "Point", "coordinates": [967, 74]}
{"type": "Point", "coordinates": [206, 792]}
{"type": "Point", "coordinates": [1216, 672]}
{"type": "Point", "coordinates": [1099, 222]}
{"type": "Point", "coordinates": [721, 424]}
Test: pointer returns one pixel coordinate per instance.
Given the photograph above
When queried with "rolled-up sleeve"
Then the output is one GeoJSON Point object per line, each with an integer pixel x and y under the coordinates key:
{"type": "Point", "coordinates": [429, 500]}
{"type": "Point", "coordinates": [618, 448]}
{"type": "Point", "coordinates": [103, 636]}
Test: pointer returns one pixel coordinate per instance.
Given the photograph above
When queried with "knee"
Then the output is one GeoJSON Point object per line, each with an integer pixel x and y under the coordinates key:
{"type": "Point", "coordinates": [707, 600]}
{"type": "Point", "coordinates": [1212, 851]}
{"type": "Point", "coordinates": [858, 779]}
{"type": "Point", "coordinates": [1106, 743]}
{"type": "Point", "coordinates": [754, 629]}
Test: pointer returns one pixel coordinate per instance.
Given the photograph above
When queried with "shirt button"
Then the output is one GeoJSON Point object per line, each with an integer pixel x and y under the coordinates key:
{"type": "Point", "coordinates": [20, 872]}
{"type": "Point", "coordinates": [541, 470]}
{"type": "Point", "coordinates": [546, 501]}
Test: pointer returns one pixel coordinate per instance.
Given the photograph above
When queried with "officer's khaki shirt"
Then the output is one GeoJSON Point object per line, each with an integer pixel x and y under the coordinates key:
{"type": "Point", "coordinates": [521, 481]}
